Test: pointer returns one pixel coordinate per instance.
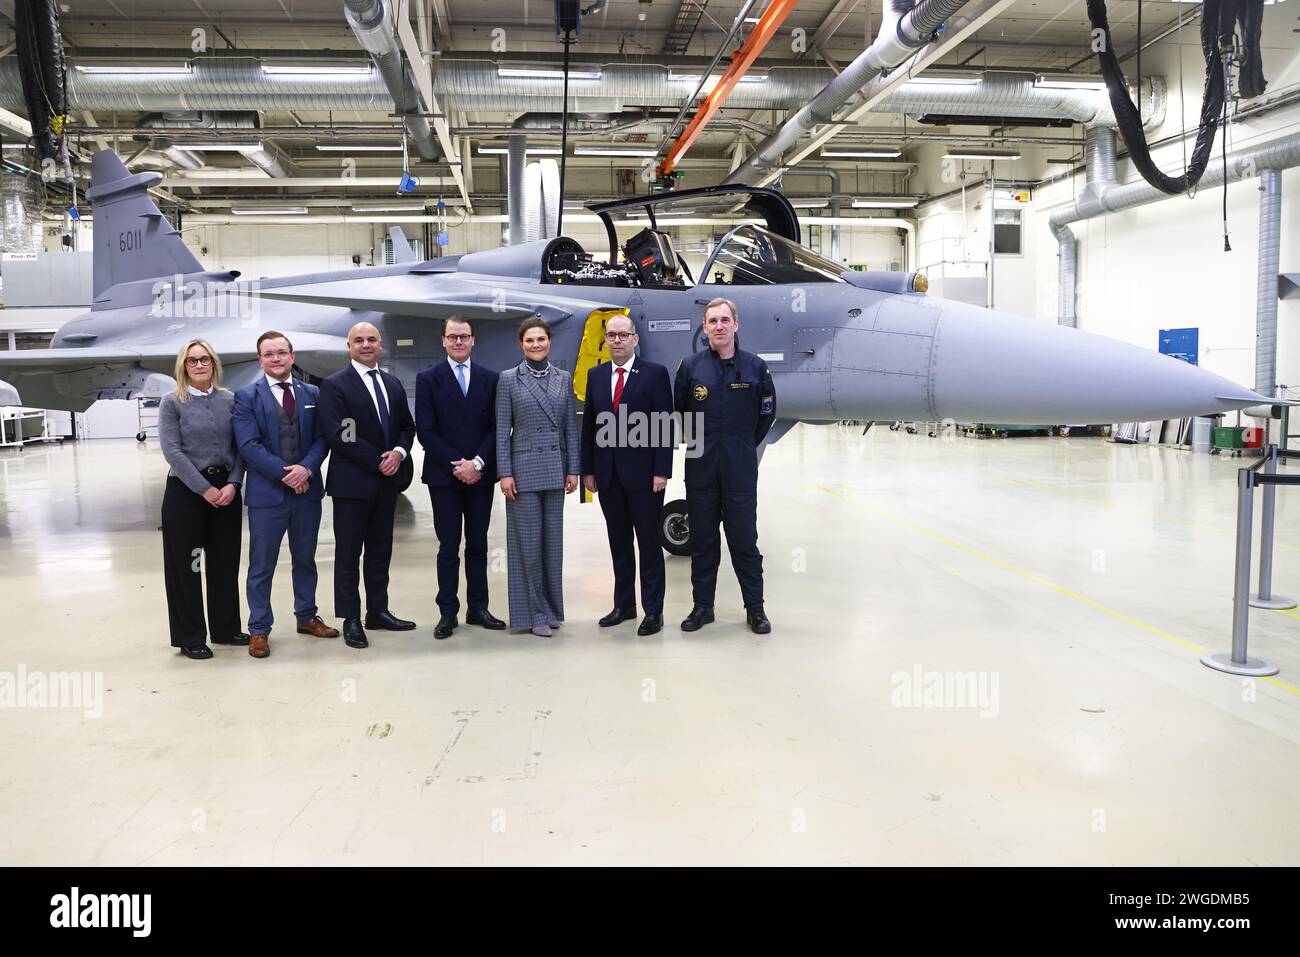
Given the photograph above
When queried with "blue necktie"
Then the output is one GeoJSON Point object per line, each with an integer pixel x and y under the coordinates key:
{"type": "Point", "coordinates": [382, 400]}
{"type": "Point", "coordinates": [460, 374]}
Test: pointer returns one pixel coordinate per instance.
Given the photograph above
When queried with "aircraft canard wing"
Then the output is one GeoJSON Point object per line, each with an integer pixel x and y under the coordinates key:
{"type": "Point", "coordinates": [70, 360]}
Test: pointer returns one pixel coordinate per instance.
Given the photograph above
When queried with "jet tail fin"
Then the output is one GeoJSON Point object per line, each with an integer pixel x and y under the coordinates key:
{"type": "Point", "coordinates": [133, 240]}
{"type": "Point", "coordinates": [402, 251]}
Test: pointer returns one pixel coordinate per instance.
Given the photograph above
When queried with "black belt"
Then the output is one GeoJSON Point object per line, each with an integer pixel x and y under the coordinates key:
{"type": "Point", "coordinates": [216, 470]}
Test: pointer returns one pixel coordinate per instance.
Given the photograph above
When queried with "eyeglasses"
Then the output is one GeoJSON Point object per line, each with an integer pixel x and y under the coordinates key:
{"type": "Point", "coordinates": [276, 355]}
{"type": "Point", "coordinates": [619, 336]}
{"type": "Point", "coordinates": [459, 338]}
{"type": "Point", "coordinates": [198, 360]}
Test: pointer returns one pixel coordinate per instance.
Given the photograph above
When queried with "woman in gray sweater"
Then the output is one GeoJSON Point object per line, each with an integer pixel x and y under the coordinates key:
{"type": "Point", "coordinates": [201, 510]}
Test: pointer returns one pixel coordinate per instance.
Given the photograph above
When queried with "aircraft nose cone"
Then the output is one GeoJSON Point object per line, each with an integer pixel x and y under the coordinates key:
{"type": "Point", "coordinates": [993, 367]}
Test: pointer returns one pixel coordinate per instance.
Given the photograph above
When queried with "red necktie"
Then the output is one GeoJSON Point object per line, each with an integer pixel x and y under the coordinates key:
{"type": "Point", "coordinates": [288, 403]}
{"type": "Point", "coordinates": [618, 389]}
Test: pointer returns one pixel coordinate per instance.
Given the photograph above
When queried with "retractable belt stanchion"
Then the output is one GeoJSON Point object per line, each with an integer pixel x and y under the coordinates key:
{"type": "Point", "coordinates": [1265, 598]}
{"type": "Point", "coordinates": [1238, 661]}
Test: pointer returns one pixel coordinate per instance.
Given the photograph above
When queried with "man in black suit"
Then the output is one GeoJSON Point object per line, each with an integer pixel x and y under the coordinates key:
{"type": "Point", "coordinates": [363, 412]}
{"type": "Point", "coordinates": [627, 458]}
{"type": "Point", "coordinates": [455, 418]}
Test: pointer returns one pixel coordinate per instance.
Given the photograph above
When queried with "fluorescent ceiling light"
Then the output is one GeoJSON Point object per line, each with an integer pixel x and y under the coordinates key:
{"type": "Point", "coordinates": [885, 202]}
{"type": "Point", "coordinates": [979, 154]}
{"type": "Point", "coordinates": [407, 208]}
{"type": "Point", "coordinates": [504, 71]}
{"type": "Point", "coordinates": [358, 148]}
{"type": "Point", "coordinates": [936, 79]}
{"type": "Point", "coordinates": [1066, 81]}
{"type": "Point", "coordinates": [136, 69]}
{"type": "Point", "coordinates": [216, 147]}
{"type": "Point", "coordinates": [531, 151]}
{"type": "Point", "coordinates": [753, 77]}
{"type": "Point", "coordinates": [613, 151]}
{"type": "Point", "coordinates": [864, 154]}
{"type": "Point", "coordinates": [283, 70]}
{"type": "Point", "coordinates": [269, 211]}
{"type": "Point", "coordinates": [810, 203]}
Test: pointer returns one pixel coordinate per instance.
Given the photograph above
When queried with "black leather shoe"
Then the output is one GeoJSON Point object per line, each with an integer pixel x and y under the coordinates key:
{"type": "Point", "coordinates": [239, 639]}
{"type": "Point", "coordinates": [757, 621]}
{"type": "Point", "coordinates": [387, 621]}
{"type": "Point", "coordinates": [198, 652]}
{"type": "Point", "coordinates": [446, 625]}
{"type": "Point", "coordinates": [354, 634]}
{"type": "Point", "coordinates": [485, 619]}
{"type": "Point", "coordinates": [650, 625]}
{"type": "Point", "coordinates": [617, 617]}
{"type": "Point", "coordinates": [698, 618]}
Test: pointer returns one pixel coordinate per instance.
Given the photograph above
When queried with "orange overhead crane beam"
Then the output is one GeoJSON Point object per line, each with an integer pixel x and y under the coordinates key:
{"type": "Point", "coordinates": [743, 59]}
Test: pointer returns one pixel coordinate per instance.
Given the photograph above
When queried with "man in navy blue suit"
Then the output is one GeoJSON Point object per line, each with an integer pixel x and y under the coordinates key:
{"type": "Point", "coordinates": [627, 459]}
{"type": "Point", "coordinates": [455, 418]}
{"type": "Point", "coordinates": [275, 428]}
{"type": "Point", "coordinates": [365, 418]}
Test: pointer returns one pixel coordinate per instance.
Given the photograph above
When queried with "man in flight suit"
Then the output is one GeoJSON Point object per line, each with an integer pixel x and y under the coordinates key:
{"type": "Point", "coordinates": [732, 394]}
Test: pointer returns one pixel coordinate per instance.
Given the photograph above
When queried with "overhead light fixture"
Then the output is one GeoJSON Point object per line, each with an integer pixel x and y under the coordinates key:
{"type": "Point", "coordinates": [136, 69]}
{"type": "Point", "coordinates": [269, 211]}
{"type": "Point", "coordinates": [217, 147]}
{"type": "Point", "coordinates": [614, 151]}
{"type": "Point", "coordinates": [810, 203]}
{"type": "Point", "coordinates": [863, 154]}
{"type": "Point", "coordinates": [886, 202]}
{"type": "Point", "coordinates": [534, 73]}
{"type": "Point", "coordinates": [1068, 81]}
{"type": "Point", "coordinates": [406, 208]}
{"type": "Point", "coordinates": [933, 78]}
{"type": "Point", "coordinates": [358, 148]}
{"type": "Point", "coordinates": [531, 151]}
{"type": "Point", "coordinates": [756, 76]}
{"type": "Point", "coordinates": [982, 154]}
{"type": "Point", "coordinates": [285, 70]}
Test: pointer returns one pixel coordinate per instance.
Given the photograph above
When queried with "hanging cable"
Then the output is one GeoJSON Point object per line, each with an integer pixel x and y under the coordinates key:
{"type": "Point", "coordinates": [564, 134]}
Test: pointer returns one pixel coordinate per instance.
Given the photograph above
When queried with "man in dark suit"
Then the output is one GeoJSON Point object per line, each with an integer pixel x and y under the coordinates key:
{"type": "Point", "coordinates": [627, 459]}
{"type": "Point", "coordinates": [365, 418]}
{"type": "Point", "coordinates": [282, 448]}
{"type": "Point", "coordinates": [455, 418]}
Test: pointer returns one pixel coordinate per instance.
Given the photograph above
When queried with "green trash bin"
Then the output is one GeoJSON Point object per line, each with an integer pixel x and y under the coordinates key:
{"type": "Point", "coordinates": [1229, 437]}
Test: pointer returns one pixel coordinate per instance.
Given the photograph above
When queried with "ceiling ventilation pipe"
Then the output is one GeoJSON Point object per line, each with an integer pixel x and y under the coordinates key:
{"type": "Point", "coordinates": [835, 199]}
{"type": "Point", "coordinates": [185, 121]}
{"type": "Point", "coordinates": [904, 28]}
{"type": "Point", "coordinates": [1102, 195]}
{"type": "Point", "coordinates": [372, 22]}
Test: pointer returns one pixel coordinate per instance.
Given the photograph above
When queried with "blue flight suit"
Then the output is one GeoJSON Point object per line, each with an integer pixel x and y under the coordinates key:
{"type": "Point", "coordinates": [736, 404]}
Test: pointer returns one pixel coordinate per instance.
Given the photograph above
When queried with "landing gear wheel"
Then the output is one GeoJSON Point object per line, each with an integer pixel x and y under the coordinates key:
{"type": "Point", "coordinates": [675, 528]}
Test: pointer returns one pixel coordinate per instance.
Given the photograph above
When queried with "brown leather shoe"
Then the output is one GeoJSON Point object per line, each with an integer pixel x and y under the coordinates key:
{"type": "Point", "coordinates": [258, 646]}
{"type": "Point", "coordinates": [318, 628]}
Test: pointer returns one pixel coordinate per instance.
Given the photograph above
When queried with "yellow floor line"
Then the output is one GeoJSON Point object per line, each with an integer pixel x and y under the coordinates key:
{"type": "Point", "coordinates": [1036, 579]}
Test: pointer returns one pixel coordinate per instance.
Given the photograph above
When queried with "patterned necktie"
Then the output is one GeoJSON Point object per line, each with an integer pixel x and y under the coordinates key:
{"type": "Point", "coordinates": [287, 399]}
{"type": "Point", "coordinates": [383, 401]}
{"type": "Point", "coordinates": [460, 374]}
{"type": "Point", "coordinates": [618, 389]}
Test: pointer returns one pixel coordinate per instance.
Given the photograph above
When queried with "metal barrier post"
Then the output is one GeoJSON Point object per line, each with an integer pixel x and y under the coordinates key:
{"type": "Point", "coordinates": [1239, 662]}
{"type": "Point", "coordinates": [1265, 598]}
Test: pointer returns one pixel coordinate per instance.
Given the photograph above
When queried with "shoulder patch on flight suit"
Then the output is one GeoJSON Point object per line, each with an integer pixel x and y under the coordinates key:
{"type": "Point", "coordinates": [768, 405]}
{"type": "Point", "coordinates": [701, 393]}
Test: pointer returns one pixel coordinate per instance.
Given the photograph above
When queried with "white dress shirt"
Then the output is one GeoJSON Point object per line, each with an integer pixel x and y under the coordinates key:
{"type": "Point", "coordinates": [194, 391]}
{"type": "Point", "coordinates": [364, 371]}
{"type": "Point", "coordinates": [613, 374]}
{"type": "Point", "coordinates": [274, 384]}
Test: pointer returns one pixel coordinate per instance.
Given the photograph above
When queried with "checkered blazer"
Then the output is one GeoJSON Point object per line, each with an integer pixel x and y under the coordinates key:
{"type": "Point", "coordinates": [537, 428]}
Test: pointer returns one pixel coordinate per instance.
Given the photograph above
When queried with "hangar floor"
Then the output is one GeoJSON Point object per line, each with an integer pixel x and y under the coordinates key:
{"type": "Point", "coordinates": [1077, 581]}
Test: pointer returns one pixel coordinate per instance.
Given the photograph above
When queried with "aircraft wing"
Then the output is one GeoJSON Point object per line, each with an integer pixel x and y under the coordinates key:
{"type": "Point", "coordinates": [35, 361]}
{"type": "Point", "coordinates": [410, 295]}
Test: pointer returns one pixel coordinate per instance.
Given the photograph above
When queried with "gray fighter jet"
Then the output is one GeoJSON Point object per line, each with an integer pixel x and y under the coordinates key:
{"type": "Point", "coordinates": [840, 344]}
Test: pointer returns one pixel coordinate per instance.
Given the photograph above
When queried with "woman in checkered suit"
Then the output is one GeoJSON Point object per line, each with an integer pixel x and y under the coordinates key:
{"type": "Point", "coordinates": [537, 460]}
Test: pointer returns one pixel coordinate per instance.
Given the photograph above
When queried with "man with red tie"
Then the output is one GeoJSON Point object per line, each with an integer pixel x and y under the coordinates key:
{"type": "Point", "coordinates": [627, 459]}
